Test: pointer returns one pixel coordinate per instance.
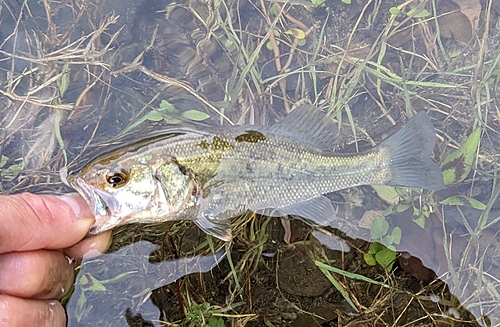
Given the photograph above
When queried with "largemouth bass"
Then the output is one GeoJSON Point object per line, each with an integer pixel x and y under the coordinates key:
{"type": "Point", "coordinates": [212, 176]}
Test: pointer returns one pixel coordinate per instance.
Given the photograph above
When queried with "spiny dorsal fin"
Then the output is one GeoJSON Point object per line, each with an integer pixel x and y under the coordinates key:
{"type": "Point", "coordinates": [307, 124]}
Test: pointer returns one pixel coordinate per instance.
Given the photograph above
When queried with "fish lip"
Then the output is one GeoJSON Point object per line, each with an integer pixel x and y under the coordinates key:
{"type": "Point", "coordinates": [105, 207]}
{"type": "Point", "coordinates": [101, 204]}
{"type": "Point", "coordinates": [72, 180]}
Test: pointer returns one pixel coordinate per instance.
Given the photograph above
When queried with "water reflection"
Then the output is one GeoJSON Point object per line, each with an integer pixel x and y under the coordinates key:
{"type": "Point", "coordinates": [447, 250]}
{"type": "Point", "coordinates": [112, 289]}
{"type": "Point", "coordinates": [466, 261]}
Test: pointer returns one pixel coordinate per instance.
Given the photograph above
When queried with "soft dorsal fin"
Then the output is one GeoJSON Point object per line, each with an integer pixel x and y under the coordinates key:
{"type": "Point", "coordinates": [307, 124]}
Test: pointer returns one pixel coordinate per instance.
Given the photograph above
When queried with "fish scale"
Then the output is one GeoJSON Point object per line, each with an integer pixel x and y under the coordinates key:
{"type": "Point", "coordinates": [299, 179]}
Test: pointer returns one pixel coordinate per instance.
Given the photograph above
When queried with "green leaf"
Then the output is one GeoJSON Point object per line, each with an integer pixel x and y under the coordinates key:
{"type": "Point", "coordinates": [382, 255]}
{"type": "Point", "coordinates": [404, 193]}
{"type": "Point", "coordinates": [15, 168]}
{"type": "Point", "coordinates": [80, 304]}
{"type": "Point", "coordinates": [82, 299]}
{"type": "Point", "coordinates": [425, 211]}
{"type": "Point", "coordinates": [387, 239]}
{"type": "Point", "coordinates": [347, 2]}
{"type": "Point", "coordinates": [379, 227]}
{"type": "Point", "coordinates": [420, 221]}
{"type": "Point", "coordinates": [216, 322]}
{"type": "Point", "coordinates": [457, 165]}
{"type": "Point", "coordinates": [274, 10]}
{"type": "Point", "coordinates": [118, 277]}
{"type": "Point", "coordinates": [64, 82]}
{"type": "Point", "coordinates": [454, 200]}
{"type": "Point", "coordinates": [172, 121]}
{"type": "Point", "coordinates": [95, 285]}
{"type": "Point", "coordinates": [402, 207]}
{"type": "Point", "coordinates": [396, 208]}
{"type": "Point", "coordinates": [297, 33]}
{"type": "Point", "coordinates": [387, 193]}
{"type": "Point", "coordinates": [268, 323]}
{"type": "Point", "coordinates": [195, 115]}
{"type": "Point", "coordinates": [390, 210]}
{"type": "Point", "coordinates": [168, 108]}
{"type": "Point", "coordinates": [3, 161]}
{"type": "Point", "coordinates": [375, 247]}
{"type": "Point", "coordinates": [421, 14]}
{"type": "Point", "coordinates": [317, 3]}
{"type": "Point", "coordinates": [154, 115]}
{"type": "Point", "coordinates": [476, 204]}
{"type": "Point", "coordinates": [494, 77]}
{"type": "Point", "coordinates": [386, 258]}
{"type": "Point", "coordinates": [396, 234]}
{"type": "Point", "coordinates": [462, 200]}
{"type": "Point", "coordinates": [369, 259]}
{"type": "Point", "coordinates": [83, 280]}
{"type": "Point", "coordinates": [394, 11]}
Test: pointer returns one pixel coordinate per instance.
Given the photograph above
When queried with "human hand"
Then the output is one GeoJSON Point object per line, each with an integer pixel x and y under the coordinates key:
{"type": "Point", "coordinates": [39, 237]}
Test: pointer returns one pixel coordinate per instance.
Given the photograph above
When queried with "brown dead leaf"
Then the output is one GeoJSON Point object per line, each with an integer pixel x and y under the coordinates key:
{"type": "Point", "coordinates": [368, 216]}
{"type": "Point", "coordinates": [471, 9]}
{"type": "Point", "coordinates": [453, 23]}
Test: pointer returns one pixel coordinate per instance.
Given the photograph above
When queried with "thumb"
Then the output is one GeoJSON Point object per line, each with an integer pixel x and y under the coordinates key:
{"type": "Point", "coordinates": [34, 222]}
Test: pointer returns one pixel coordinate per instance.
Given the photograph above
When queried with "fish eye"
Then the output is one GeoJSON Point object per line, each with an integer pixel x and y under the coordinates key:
{"type": "Point", "coordinates": [116, 179]}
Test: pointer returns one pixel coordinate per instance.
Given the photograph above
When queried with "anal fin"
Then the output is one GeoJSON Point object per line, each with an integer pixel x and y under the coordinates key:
{"type": "Point", "coordinates": [317, 211]}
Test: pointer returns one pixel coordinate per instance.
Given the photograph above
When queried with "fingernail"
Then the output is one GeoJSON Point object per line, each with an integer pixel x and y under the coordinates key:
{"type": "Point", "coordinates": [92, 253]}
{"type": "Point", "coordinates": [77, 204]}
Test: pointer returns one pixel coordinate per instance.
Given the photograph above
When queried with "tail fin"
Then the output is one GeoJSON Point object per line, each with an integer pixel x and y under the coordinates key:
{"type": "Point", "coordinates": [410, 149]}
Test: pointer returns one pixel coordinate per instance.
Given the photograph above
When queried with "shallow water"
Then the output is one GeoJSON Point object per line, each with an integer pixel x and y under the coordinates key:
{"type": "Point", "coordinates": [84, 84]}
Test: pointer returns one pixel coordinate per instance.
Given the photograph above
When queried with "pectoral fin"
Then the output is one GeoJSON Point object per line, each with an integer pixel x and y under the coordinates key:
{"type": "Point", "coordinates": [215, 227]}
{"type": "Point", "coordinates": [211, 225]}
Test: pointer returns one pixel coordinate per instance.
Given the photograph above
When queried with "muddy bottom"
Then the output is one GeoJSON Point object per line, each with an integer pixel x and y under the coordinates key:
{"type": "Point", "coordinates": [266, 282]}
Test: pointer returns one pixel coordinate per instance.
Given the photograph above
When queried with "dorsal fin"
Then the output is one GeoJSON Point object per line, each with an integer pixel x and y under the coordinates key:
{"type": "Point", "coordinates": [307, 124]}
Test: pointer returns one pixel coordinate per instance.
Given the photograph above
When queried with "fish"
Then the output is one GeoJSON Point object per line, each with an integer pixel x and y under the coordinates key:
{"type": "Point", "coordinates": [212, 174]}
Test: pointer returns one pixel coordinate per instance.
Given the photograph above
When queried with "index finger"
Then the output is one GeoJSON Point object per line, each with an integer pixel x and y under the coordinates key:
{"type": "Point", "coordinates": [32, 222]}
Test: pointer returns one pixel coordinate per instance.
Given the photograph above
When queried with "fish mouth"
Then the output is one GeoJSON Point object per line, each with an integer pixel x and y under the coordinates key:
{"type": "Point", "coordinates": [101, 203]}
